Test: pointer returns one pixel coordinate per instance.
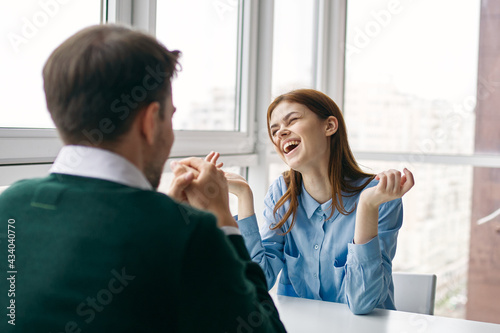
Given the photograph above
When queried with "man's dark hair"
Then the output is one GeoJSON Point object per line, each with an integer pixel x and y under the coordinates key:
{"type": "Point", "coordinates": [98, 80]}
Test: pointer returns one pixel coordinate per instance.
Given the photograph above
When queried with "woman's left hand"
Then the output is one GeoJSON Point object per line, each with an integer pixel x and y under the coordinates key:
{"type": "Point", "coordinates": [392, 185]}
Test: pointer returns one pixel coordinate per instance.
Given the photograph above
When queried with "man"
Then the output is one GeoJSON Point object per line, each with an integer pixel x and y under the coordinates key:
{"type": "Point", "coordinates": [93, 247]}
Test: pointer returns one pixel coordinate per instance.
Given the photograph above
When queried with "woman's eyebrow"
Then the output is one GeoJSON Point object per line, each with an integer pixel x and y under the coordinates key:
{"type": "Point", "coordinates": [285, 118]}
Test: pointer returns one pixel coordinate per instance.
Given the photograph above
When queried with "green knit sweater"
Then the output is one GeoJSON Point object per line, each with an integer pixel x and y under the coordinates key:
{"type": "Point", "coordinates": [97, 256]}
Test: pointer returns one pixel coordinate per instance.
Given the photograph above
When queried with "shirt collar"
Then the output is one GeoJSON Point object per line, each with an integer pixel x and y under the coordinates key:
{"type": "Point", "coordinates": [99, 163]}
{"type": "Point", "coordinates": [311, 205]}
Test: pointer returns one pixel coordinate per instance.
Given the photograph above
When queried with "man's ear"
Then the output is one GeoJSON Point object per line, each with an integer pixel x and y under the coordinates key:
{"type": "Point", "coordinates": [150, 119]}
{"type": "Point", "coordinates": [332, 125]}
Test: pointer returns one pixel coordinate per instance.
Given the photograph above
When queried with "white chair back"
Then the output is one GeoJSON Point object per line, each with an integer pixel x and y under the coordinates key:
{"type": "Point", "coordinates": [414, 292]}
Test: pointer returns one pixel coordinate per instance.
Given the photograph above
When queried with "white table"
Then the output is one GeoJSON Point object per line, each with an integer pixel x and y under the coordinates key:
{"type": "Point", "coordinates": [310, 316]}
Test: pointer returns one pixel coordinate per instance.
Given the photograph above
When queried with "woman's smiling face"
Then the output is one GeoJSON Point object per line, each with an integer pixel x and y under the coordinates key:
{"type": "Point", "coordinates": [300, 137]}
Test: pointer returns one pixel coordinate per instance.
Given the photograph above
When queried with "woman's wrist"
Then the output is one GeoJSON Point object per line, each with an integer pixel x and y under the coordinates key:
{"type": "Point", "coordinates": [367, 202]}
{"type": "Point", "coordinates": [366, 226]}
{"type": "Point", "coordinates": [241, 190]}
{"type": "Point", "coordinates": [245, 205]}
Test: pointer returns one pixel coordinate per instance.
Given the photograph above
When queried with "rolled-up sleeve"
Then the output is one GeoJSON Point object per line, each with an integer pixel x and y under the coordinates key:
{"type": "Point", "coordinates": [266, 250]}
{"type": "Point", "coordinates": [368, 282]}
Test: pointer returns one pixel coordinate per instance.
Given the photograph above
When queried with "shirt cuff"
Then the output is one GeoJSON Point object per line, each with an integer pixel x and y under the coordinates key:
{"type": "Point", "coordinates": [230, 230]}
{"type": "Point", "coordinates": [363, 253]}
{"type": "Point", "coordinates": [248, 225]}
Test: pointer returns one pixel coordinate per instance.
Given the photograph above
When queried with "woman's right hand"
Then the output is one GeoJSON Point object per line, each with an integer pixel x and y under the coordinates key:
{"type": "Point", "coordinates": [237, 185]}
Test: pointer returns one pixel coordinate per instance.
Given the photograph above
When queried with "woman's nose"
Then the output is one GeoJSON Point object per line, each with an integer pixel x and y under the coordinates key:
{"type": "Point", "coordinates": [283, 132]}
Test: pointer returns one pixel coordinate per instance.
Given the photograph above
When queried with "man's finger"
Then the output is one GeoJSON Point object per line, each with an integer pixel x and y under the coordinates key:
{"type": "Point", "coordinates": [193, 162]}
{"type": "Point", "coordinates": [178, 169]}
{"type": "Point", "coordinates": [196, 197]}
{"type": "Point", "coordinates": [179, 184]}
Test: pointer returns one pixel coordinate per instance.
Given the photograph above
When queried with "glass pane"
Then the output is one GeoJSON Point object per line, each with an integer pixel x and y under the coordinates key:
{"type": "Point", "coordinates": [275, 170]}
{"type": "Point", "coordinates": [32, 30]}
{"type": "Point", "coordinates": [206, 32]}
{"type": "Point", "coordinates": [434, 238]}
{"type": "Point", "coordinates": [293, 65]}
{"type": "Point", "coordinates": [411, 75]}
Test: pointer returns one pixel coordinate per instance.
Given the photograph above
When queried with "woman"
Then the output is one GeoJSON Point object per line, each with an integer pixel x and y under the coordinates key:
{"type": "Point", "coordinates": [329, 227]}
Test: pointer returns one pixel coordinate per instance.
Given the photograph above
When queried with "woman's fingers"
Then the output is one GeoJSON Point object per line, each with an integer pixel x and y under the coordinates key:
{"type": "Point", "coordinates": [409, 181]}
{"type": "Point", "coordinates": [392, 185]}
{"type": "Point", "coordinates": [396, 181]}
{"type": "Point", "coordinates": [392, 181]}
{"type": "Point", "coordinates": [234, 176]}
{"type": "Point", "coordinates": [382, 180]}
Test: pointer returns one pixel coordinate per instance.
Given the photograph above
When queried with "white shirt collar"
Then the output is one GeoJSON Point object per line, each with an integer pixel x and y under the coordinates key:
{"type": "Point", "coordinates": [99, 163]}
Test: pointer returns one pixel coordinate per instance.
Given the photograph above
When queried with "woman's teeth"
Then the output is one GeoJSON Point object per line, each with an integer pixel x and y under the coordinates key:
{"type": "Point", "coordinates": [290, 145]}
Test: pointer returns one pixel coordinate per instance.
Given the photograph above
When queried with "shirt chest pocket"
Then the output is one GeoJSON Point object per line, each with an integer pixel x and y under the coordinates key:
{"type": "Point", "coordinates": [338, 270]}
{"type": "Point", "coordinates": [295, 271]}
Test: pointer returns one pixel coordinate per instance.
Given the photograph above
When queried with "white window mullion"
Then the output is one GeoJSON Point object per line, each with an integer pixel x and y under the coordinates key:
{"type": "Point", "coordinates": [119, 11]}
{"type": "Point", "coordinates": [258, 175]}
{"type": "Point", "coordinates": [330, 49]}
{"type": "Point", "coordinates": [144, 15]}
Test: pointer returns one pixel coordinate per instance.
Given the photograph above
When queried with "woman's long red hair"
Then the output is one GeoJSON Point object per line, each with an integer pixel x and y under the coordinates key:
{"type": "Point", "coordinates": [343, 168]}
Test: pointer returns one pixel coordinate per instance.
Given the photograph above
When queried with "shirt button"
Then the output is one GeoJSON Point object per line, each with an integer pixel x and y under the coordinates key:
{"type": "Point", "coordinates": [316, 246]}
{"type": "Point", "coordinates": [315, 275]}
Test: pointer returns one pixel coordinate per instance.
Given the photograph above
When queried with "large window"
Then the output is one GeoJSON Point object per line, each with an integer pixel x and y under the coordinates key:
{"type": "Point", "coordinates": [30, 31]}
{"type": "Point", "coordinates": [214, 93]}
{"type": "Point", "coordinates": [410, 88]}
{"type": "Point", "coordinates": [206, 32]}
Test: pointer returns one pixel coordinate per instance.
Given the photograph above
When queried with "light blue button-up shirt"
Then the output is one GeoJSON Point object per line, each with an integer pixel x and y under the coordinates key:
{"type": "Point", "coordinates": [317, 257]}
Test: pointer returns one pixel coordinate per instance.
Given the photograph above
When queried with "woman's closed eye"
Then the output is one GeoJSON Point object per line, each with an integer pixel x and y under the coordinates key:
{"type": "Point", "coordinates": [290, 121]}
